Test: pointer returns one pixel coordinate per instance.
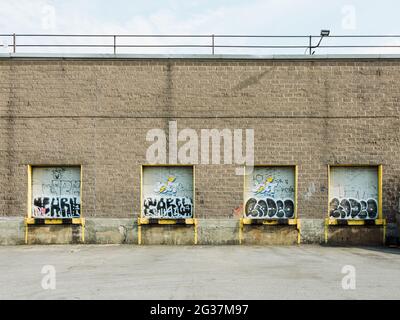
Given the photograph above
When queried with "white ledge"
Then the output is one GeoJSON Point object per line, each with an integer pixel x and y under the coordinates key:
{"type": "Point", "coordinates": [58, 56]}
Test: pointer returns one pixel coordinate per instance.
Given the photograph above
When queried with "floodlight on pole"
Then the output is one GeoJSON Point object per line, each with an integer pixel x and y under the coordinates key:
{"type": "Point", "coordinates": [324, 33]}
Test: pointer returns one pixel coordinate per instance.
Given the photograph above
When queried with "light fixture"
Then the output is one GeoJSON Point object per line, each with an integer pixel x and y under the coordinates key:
{"type": "Point", "coordinates": [325, 33]}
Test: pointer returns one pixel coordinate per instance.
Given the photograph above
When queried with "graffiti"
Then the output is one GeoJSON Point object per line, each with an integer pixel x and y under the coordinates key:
{"type": "Point", "coordinates": [56, 192]}
{"type": "Point", "coordinates": [238, 211]}
{"type": "Point", "coordinates": [269, 193]}
{"type": "Point", "coordinates": [269, 208]}
{"type": "Point", "coordinates": [167, 192]}
{"type": "Point", "coordinates": [173, 207]}
{"type": "Point", "coordinates": [268, 186]}
{"type": "Point", "coordinates": [170, 187]}
{"type": "Point", "coordinates": [348, 208]}
{"type": "Point", "coordinates": [64, 187]}
{"type": "Point", "coordinates": [353, 193]}
{"type": "Point", "coordinates": [57, 173]}
{"type": "Point", "coordinates": [56, 208]}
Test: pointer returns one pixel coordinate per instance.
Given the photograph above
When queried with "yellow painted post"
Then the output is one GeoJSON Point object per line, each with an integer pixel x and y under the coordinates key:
{"type": "Point", "coordinates": [244, 192]}
{"type": "Point", "coordinates": [326, 227]}
{"type": "Point", "coordinates": [29, 204]}
{"type": "Point", "coordinates": [141, 192]}
{"type": "Point", "coordinates": [298, 222]}
{"type": "Point", "coordinates": [329, 188]}
{"type": "Point", "coordinates": [243, 206]}
{"type": "Point", "coordinates": [194, 204]}
{"type": "Point", "coordinates": [141, 207]}
{"type": "Point", "coordinates": [81, 195]}
{"type": "Point", "coordinates": [194, 192]}
{"type": "Point", "coordinates": [295, 190]}
{"type": "Point", "coordinates": [380, 213]}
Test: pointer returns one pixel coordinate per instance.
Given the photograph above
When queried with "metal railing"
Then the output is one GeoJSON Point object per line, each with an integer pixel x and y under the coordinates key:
{"type": "Point", "coordinates": [308, 43]}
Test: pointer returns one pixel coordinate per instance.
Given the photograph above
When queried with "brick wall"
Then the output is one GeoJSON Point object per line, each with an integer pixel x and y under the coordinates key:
{"type": "Point", "coordinates": [97, 113]}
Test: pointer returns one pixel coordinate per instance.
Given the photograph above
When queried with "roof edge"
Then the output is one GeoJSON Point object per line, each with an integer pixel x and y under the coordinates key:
{"type": "Point", "coordinates": [57, 56]}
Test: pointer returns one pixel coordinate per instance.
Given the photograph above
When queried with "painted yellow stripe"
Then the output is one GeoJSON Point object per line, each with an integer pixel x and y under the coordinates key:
{"type": "Point", "coordinates": [78, 221]}
{"type": "Point", "coordinates": [272, 222]}
{"type": "Point", "coordinates": [355, 222]}
{"type": "Point", "coordinates": [29, 221]}
{"type": "Point", "coordinates": [331, 222]}
{"type": "Point", "coordinates": [143, 221]}
{"type": "Point", "coordinates": [164, 221]}
{"type": "Point", "coordinates": [53, 221]}
{"type": "Point", "coordinates": [246, 220]}
{"type": "Point", "coordinates": [268, 222]}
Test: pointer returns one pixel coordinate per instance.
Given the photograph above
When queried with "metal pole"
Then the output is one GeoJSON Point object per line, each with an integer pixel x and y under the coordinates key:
{"type": "Point", "coordinates": [213, 42]}
{"type": "Point", "coordinates": [14, 43]}
{"type": "Point", "coordinates": [310, 44]}
{"type": "Point", "coordinates": [115, 44]}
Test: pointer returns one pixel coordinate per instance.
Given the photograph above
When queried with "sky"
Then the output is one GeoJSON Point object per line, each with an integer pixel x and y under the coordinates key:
{"type": "Point", "coordinates": [222, 17]}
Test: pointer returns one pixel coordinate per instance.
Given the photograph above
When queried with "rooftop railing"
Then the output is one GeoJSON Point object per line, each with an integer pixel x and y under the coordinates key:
{"type": "Point", "coordinates": [206, 43]}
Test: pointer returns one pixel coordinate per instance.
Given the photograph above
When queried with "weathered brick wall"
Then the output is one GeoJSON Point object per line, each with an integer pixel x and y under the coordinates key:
{"type": "Point", "coordinates": [97, 113]}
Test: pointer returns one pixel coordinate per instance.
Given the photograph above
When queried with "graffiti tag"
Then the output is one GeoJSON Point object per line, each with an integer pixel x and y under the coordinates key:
{"type": "Point", "coordinates": [56, 207]}
{"type": "Point", "coordinates": [348, 208]}
{"type": "Point", "coordinates": [174, 207]}
{"type": "Point", "coordinates": [269, 208]}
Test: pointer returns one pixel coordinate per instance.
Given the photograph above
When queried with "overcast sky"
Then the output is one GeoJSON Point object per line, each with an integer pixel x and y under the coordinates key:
{"type": "Point", "coordinates": [260, 17]}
